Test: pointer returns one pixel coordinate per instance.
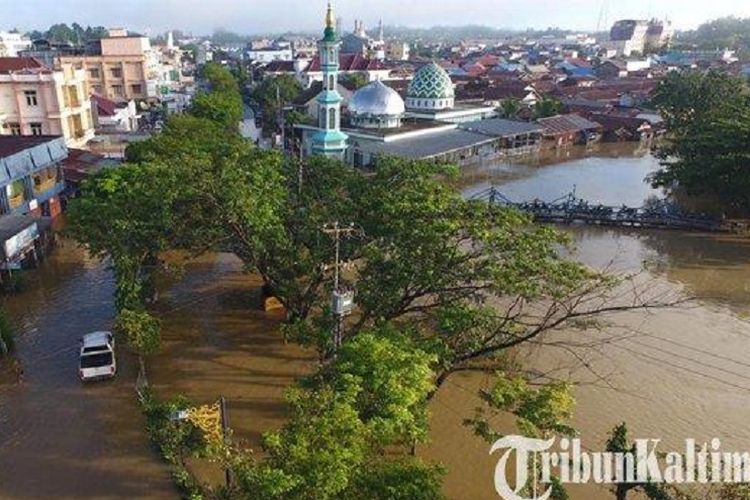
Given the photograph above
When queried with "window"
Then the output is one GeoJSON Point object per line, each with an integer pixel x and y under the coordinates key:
{"type": "Point", "coordinates": [15, 128]}
{"type": "Point", "coordinates": [332, 118]}
{"type": "Point", "coordinates": [116, 72]}
{"type": "Point", "coordinates": [16, 193]}
{"type": "Point", "coordinates": [117, 90]}
{"type": "Point", "coordinates": [331, 83]}
{"type": "Point", "coordinates": [36, 128]}
{"type": "Point", "coordinates": [96, 89]}
{"type": "Point", "coordinates": [31, 98]}
{"type": "Point", "coordinates": [136, 88]}
{"type": "Point", "coordinates": [94, 73]}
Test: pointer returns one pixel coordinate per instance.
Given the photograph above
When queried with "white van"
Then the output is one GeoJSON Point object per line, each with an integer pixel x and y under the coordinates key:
{"type": "Point", "coordinates": [97, 360]}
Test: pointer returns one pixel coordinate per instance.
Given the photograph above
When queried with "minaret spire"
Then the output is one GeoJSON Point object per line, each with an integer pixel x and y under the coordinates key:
{"type": "Point", "coordinates": [330, 18]}
{"type": "Point", "coordinates": [329, 140]}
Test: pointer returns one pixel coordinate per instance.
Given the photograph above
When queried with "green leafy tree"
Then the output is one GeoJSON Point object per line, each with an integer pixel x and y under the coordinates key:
{"type": "Point", "coordinates": [334, 445]}
{"type": "Point", "coordinates": [223, 102]}
{"type": "Point", "coordinates": [706, 154]}
{"type": "Point", "coordinates": [546, 107]}
{"type": "Point", "coordinates": [273, 94]}
{"type": "Point", "coordinates": [395, 378]}
{"type": "Point", "coordinates": [125, 213]}
{"type": "Point", "coordinates": [510, 108]}
{"type": "Point", "coordinates": [540, 413]}
{"type": "Point", "coordinates": [142, 331]}
{"type": "Point", "coordinates": [355, 80]}
{"type": "Point", "coordinates": [618, 442]}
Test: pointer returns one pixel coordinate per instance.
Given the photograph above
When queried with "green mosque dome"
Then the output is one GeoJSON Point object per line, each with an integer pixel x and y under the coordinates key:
{"type": "Point", "coordinates": [431, 82]}
{"type": "Point", "coordinates": [430, 90]}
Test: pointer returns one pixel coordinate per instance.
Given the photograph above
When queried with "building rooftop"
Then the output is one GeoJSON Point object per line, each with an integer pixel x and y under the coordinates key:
{"type": "Point", "coordinates": [21, 155]}
{"type": "Point", "coordinates": [21, 64]}
{"type": "Point", "coordinates": [11, 225]}
{"type": "Point", "coordinates": [431, 145]}
{"type": "Point", "coordinates": [561, 124]}
{"type": "Point", "coordinates": [349, 62]}
{"type": "Point", "coordinates": [407, 125]}
{"type": "Point", "coordinates": [12, 144]}
{"type": "Point", "coordinates": [499, 127]}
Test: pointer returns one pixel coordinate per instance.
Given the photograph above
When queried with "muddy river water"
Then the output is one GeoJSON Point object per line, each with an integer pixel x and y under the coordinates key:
{"type": "Point", "coordinates": [686, 374]}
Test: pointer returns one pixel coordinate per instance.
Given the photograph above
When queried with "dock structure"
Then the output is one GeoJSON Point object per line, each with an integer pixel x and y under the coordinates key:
{"type": "Point", "coordinates": [660, 214]}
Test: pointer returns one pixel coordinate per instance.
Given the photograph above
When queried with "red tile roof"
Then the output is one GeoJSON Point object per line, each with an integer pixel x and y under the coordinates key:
{"type": "Point", "coordinates": [104, 107]}
{"type": "Point", "coordinates": [350, 62]}
{"type": "Point", "coordinates": [21, 64]}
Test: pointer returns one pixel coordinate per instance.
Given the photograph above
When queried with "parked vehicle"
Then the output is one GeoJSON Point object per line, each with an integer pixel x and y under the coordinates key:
{"type": "Point", "coordinates": [97, 357]}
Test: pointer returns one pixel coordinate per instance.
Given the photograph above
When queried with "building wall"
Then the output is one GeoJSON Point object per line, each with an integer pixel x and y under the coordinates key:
{"type": "Point", "coordinates": [51, 103]}
{"type": "Point", "coordinates": [12, 43]}
{"type": "Point", "coordinates": [119, 78]}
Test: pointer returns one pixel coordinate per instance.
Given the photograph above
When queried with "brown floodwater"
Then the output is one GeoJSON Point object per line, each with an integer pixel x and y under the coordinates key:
{"type": "Point", "coordinates": [58, 437]}
{"type": "Point", "coordinates": [679, 374]}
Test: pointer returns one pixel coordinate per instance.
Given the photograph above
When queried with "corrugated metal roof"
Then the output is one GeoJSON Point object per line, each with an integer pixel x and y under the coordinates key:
{"type": "Point", "coordinates": [561, 124]}
{"type": "Point", "coordinates": [431, 145]}
{"type": "Point", "coordinates": [19, 156]}
{"type": "Point", "coordinates": [499, 127]}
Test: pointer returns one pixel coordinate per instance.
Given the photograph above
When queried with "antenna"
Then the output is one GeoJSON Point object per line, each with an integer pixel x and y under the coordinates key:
{"type": "Point", "coordinates": [603, 21]}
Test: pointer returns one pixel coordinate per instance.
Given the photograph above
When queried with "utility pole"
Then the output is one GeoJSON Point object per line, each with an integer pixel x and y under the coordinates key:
{"type": "Point", "coordinates": [342, 301]}
{"type": "Point", "coordinates": [225, 435]}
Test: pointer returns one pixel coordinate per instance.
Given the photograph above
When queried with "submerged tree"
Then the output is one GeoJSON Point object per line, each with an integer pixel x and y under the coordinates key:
{"type": "Point", "coordinates": [706, 152]}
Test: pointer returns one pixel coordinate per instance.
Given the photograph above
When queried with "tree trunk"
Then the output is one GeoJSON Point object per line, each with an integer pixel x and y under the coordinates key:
{"type": "Point", "coordinates": [142, 380]}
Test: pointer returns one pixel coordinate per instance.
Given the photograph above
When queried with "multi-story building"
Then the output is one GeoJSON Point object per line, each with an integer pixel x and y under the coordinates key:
{"type": "Point", "coordinates": [120, 67]}
{"type": "Point", "coordinates": [659, 34]}
{"type": "Point", "coordinates": [12, 43]}
{"type": "Point", "coordinates": [627, 36]}
{"type": "Point", "coordinates": [31, 180]}
{"type": "Point", "coordinates": [38, 100]}
{"type": "Point", "coordinates": [396, 50]}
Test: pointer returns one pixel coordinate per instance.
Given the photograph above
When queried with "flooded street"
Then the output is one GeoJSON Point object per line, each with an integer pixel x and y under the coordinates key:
{"type": "Point", "coordinates": [59, 438]}
{"type": "Point", "coordinates": [682, 374]}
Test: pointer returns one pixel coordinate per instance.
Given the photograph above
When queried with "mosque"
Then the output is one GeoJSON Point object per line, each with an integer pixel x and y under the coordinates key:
{"type": "Point", "coordinates": [428, 124]}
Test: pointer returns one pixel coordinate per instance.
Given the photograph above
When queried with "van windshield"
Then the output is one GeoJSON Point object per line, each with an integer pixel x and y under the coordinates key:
{"type": "Point", "coordinates": [96, 360]}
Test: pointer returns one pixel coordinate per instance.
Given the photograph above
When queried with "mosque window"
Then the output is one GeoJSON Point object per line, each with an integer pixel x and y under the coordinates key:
{"type": "Point", "coordinates": [332, 118]}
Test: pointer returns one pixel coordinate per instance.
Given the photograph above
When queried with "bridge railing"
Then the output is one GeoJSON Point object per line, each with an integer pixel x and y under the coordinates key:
{"type": "Point", "coordinates": [660, 213]}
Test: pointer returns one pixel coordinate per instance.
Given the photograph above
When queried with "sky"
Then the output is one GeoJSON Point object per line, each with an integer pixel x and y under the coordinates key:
{"type": "Point", "coordinates": [274, 16]}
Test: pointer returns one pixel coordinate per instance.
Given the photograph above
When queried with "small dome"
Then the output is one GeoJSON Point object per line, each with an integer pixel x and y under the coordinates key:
{"type": "Point", "coordinates": [431, 82]}
{"type": "Point", "coordinates": [376, 99]}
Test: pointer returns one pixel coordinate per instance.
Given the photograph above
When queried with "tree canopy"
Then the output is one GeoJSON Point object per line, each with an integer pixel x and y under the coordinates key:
{"type": "Point", "coordinates": [273, 92]}
{"type": "Point", "coordinates": [707, 116]}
